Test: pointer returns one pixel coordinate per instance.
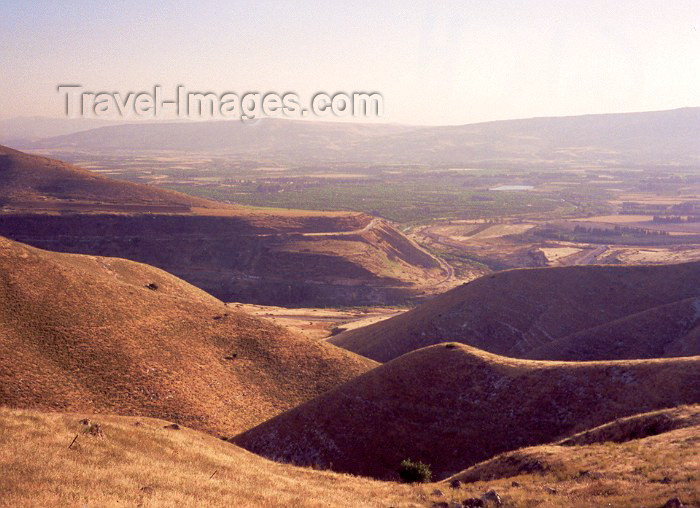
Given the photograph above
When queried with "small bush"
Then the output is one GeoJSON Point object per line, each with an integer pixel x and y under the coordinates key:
{"type": "Point", "coordinates": [414, 472]}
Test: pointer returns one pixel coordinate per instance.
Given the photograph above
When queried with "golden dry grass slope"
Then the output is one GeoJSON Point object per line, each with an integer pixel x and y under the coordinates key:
{"type": "Point", "coordinates": [138, 462]}
{"type": "Point", "coordinates": [85, 333]}
{"type": "Point", "coordinates": [452, 406]}
{"type": "Point", "coordinates": [571, 313]}
{"type": "Point", "coordinates": [141, 462]}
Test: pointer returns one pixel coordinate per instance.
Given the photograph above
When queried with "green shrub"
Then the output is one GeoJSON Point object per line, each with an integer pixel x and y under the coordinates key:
{"type": "Point", "coordinates": [414, 472]}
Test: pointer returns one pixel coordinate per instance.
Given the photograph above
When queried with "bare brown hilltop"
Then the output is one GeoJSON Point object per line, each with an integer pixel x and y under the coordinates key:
{"type": "Point", "coordinates": [452, 406]}
{"type": "Point", "coordinates": [95, 334]}
{"type": "Point", "coordinates": [237, 253]}
{"type": "Point", "coordinates": [573, 313]}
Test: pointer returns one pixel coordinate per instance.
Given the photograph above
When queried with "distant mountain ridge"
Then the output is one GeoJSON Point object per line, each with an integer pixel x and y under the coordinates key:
{"type": "Point", "coordinates": [28, 129]}
{"type": "Point", "coordinates": [621, 138]}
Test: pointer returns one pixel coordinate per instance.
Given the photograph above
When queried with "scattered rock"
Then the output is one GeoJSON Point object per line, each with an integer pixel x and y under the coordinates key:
{"type": "Point", "coordinates": [515, 484]}
{"type": "Point", "coordinates": [232, 356]}
{"type": "Point", "coordinates": [148, 489]}
{"type": "Point", "coordinates": [665, 479]}
{"type": "Point", "coordinates": [674, 502]}
{"type": "Point", "coordinates": [450, 346]}
{"type": "Point", "coordinates": [472, 502]}
{"type": "Point", "coordinates": [152, 286]}
{"type": "Point", "coordinates": [438, 492]}
{"type": "Point", "coordinates": [491, 497]}
{"type": "Point", "coordinates": [441, 504]}
{"type": "Point", "coordinates": [85, 421]}
{"type": "Point", "coordinates": [455, 484]}
{"type": "Point", "coordinates": [550, 490]}
{"type": "Point", "coordinates": [138, 424]}
{"type": "Point", "coordinates": [584, 473]}
{"type": "Point", "coordinates": [172, 426]}
{"type": "Point", "coordinates": [95, 430]}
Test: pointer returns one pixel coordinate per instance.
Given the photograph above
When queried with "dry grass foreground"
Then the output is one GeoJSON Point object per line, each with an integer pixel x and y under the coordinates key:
{"type": "Point", "coordinates": [452, 406]}
{"type": "Point", "coordinates": [141, 462]}
{"type": "Point", "coordinates": [93, 334]}
{"type": "Point", "coordinates": [571, 313]}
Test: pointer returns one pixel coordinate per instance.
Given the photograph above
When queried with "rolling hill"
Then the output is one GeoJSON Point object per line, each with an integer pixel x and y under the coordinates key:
{"type": "Point", "coordinates": [106, 335]}
{"type": "Point", "coordinates": [571, 313]}
{"type": "Point", "coordinates": [236, 253]}
{"type": "Point", "coordinates": [623, 138]}
{"type": "Point", "coordinates": [452, 406]}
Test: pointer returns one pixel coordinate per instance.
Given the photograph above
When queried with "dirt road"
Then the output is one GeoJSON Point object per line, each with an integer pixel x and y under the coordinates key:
{"type": "Point", "coordinates": [590, 256]}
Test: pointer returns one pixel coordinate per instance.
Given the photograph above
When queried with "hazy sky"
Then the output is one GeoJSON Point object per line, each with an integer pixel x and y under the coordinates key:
{"type": "Point", "coordinates": [434, 62]}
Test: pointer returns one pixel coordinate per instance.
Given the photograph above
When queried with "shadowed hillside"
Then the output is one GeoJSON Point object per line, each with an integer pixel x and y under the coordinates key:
{"type": "Point", "coordinates": [452, 406]}
{"type": "Point", "coordinates": [236, 253]}
{"type": "Point", "coordinates": [85, 333]}
{"type": "Point", "coordinates": [572, 313]}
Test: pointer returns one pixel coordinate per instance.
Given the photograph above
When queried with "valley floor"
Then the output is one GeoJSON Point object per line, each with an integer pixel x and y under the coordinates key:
{"type": "Point", "coordinates": [319, 322]}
